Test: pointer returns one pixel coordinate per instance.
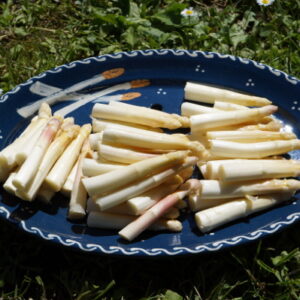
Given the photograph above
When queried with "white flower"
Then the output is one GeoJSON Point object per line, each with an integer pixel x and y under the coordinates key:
{"type": "Point", "coordinates": [265, 2]}
{"type": "Point", "coordinates": [188, 12]}
{"type": "Point", "coordinates": [1, 92]}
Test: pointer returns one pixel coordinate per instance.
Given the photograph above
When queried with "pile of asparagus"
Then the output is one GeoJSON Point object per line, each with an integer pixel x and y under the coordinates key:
{"type": "Point", "coordinates": [244, 171]}
{"type": "Point", "coordinates": [126, 168]}
{"type": "Point", "coordinates": [124, 172]}
{"type": "Point", "coordinates": [138, 169]}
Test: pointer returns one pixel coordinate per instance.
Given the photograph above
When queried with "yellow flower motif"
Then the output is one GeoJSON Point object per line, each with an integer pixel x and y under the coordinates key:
{"type": "Point", "coordinates": [265, 2]}
{"type": "Point", "coordinates": [188, 12]}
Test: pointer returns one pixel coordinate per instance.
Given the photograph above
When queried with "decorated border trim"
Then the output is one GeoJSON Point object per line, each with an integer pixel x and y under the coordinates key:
{"type": "Point", "coordinates": [132, 54]}
{"type": "Point", "coordinates": [215, 246]}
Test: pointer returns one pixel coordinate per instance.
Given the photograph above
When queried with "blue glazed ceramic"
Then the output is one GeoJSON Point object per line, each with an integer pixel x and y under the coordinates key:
{"type": "Point", "coordinates": [167, 70]}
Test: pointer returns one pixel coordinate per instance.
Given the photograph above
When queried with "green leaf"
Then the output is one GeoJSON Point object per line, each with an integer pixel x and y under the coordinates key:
{"type": "Point", "coordinates": [170, 295]}
{"type": "Point", "coordinates": [20, 31]}
{"type": "Point", "coordinates": [134, 10]}
{"type": "Point", "coordinates": [130, 37]}
{"type": "Point", "coordinates": [171, 14]}
{"type": "Point", "coordinates": [285, 257]}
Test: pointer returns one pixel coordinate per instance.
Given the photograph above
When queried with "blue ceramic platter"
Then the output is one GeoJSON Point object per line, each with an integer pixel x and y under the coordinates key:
{"type": "Point", "coordinates": [168, 71]}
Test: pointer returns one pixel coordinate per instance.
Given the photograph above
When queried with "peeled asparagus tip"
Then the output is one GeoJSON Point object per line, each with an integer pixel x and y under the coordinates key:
{"type": "Point", "coordinates": [268, 109]}
{"type": "Point", "coordinates": [295, 144]}
{"type": "Point", "coordinates": [174, 225]}
{"type": "Point", "coordinates": [292, 184]}
{"type": "Point", "coordinates": [67, 122]}
{"type": "Point", "coordinates": [289, 135]}
{"type": "Point", "coordinates": [76, 212]}
{"type": "Point", "coordinates": [185, 121]}
{"type": "Point", "coordinates": [113, 73]}
{"type": "Point", "coordinates": [197, 148]}
{"type": "Point", "coordinates": [139, 83]}
{"type": "Point", "coordinates": [45, 111]}
{"type": "Point", "coordinates": [192, 185]}
{"type": "Point", "coordinates": [130, 96]}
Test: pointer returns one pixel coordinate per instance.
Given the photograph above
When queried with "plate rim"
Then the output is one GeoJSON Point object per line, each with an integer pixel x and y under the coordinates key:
{"type": "Point", "coordinates": [137, 251]}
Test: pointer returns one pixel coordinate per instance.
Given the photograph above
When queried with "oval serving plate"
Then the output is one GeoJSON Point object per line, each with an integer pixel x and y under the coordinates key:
{"type": "Point", "coordinates": [167, 71]}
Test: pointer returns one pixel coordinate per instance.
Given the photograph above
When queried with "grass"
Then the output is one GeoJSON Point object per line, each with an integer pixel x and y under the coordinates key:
{"type": "Point", "coordinates": [39, 35]}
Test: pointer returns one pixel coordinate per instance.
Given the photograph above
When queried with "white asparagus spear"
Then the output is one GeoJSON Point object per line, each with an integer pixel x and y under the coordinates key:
{"type": "Point", "coordinates": [25, 150]}
{"type": "Point", "coordinates": [229, 106]}
{"type": "Point", "coordinates": [8, 155]}
{"type": "Point", "coordinates": [62, 168]}
{"type": "Point", "coordinates": [190, 109]}
{"type": "Point", "coordinates": [206, 122]}
{"type": "Point", "coordinates": [120, 196]}
{"type": "Point", "coordinates": [212, 166]}
{"type": "Point", "coordinates": [52, 154]}
{"type": "Point", "coordinates": [256, 170]}
{"type": "Point", "coordinates": [125, 115]}
{"type": "Point", "coordinates": [135, 228]}
{"type": "Point", "coordinates": [196, 204]}
{"type": "Point", "coordinates": [100, 124]}
{"type": "Point", "coordinates": [164, 142]}
{"type": "Point", "coordinates": [249, 136]}
{"type": "Point", "coordinates": [137, 205]}
{"type": "Point", "coordinates": [203, 169]}
{"type": "Point", "coordinates": [30, 109]}
{"type": "Point", "coordinates": [141, 109]}
{"type": "Point", "coordinates": [45, 194]}
{"type": "Point", "coordinates": [214, 217]}
{"type": "Point", "coordinates": [77, 205]}
{"type": "Point", "coordinates": [113, 180]}
{"type": "Point", "coordinates": [271, 126]}
{"type": "Point", "coordinates": [106, 220]}
{"type": "Point", "coordinates": [257, 150]}
{"type": "Point", "coordinates": [91, 167]}
{"type": "Point", "coordinates": [68, 185]}
{"type": "Point", "coordinates": [30, 167]}
{"type": "Point", "coordinates": [122, 155]}
{"type": "Point", "coordinates": [8, 184]}
{"type": "Point", "coordinates": [125, 209]}
{"type": "Point", "coordinates": [141, 203]}
{"type": "Point", "coordinates": [204, 93]}
{"type": "Point", "coordinates": [214, 189]}
{"type": "Point", "coordinates": [94, 139]}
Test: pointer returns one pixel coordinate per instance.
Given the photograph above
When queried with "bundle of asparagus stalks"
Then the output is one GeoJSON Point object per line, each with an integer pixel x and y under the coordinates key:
{"type": "Point", "coordinates": [124, 172]}
{"type": "Point", "coordinates": [245, 172]}
{"type": "Point", "coordinates": [139, 175]}
{"type": "Point", "coordinates": [132, 172]}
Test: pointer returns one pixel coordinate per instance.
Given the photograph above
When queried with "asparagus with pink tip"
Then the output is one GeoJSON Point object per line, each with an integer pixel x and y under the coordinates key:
{"type": "Point", "coordinates": [52, 154]}
{"type": "Point", "coordinates": [30, 167]}
{"type": "Point", "coordinates": [8, 156]}
{"type": "Point", "coordinates": [135, 228]}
